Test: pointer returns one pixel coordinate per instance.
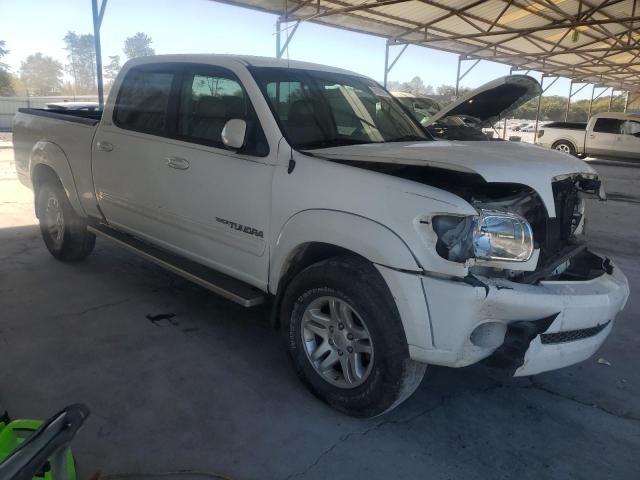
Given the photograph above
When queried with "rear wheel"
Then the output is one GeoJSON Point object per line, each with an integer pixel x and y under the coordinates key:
{"type": "Point", "coordinates": [346, 338]}
{"type": "Point", "coordinates": [63, 231]}
{"type": "Point", "coordinates": [565, 147]}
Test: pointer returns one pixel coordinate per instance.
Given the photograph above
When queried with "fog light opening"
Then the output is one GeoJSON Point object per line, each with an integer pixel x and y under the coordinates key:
{"type": "Point", "coordinates": [489, 335]}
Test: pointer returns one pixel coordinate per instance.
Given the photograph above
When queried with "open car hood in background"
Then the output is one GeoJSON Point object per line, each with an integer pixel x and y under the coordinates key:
{"type": "Point", "coordinates": [493, 100]}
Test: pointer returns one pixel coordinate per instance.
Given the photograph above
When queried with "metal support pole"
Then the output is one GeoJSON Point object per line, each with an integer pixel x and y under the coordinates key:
{"type": "Point", "coordinates": [535, 130]}
{"type": "Point", "coordinates": [466, 72]}
{"type": "Point", "coordinates": [289, 35]}
{"type": "Point", "coordinates": [593, 90]}
{"type": "Point", "coordinates": [566, 113]}
{"type": "Point", "coordinates": [98, 14]}
{"type": "Point", "coordinates": [610, 100]}
{"type": "Point", "coordinates": [458, 77]}
{"type": "Point", "coordinates": [387, 66]}
{"type": "Point", "coordinates": [626, 101]}
{"type": "Point", "coordinates": [278, 38]}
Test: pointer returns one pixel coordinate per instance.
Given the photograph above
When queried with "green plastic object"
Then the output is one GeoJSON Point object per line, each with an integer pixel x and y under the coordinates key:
{"type": "Point", "coordinates": [14, 433]}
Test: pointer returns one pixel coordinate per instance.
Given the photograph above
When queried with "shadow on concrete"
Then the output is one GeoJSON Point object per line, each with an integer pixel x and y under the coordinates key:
{"type": "Point", "coordinates": [209, 387]}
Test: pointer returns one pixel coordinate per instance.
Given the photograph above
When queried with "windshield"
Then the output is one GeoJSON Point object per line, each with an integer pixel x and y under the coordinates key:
{"type": "Point", "coordinates": [321, 109]}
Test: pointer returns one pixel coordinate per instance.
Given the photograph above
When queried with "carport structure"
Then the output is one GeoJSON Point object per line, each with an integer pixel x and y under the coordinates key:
{"type": "Point", "coordinates": [586, 41]}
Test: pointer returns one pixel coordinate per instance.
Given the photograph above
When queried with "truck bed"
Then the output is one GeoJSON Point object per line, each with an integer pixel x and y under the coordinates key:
{"type": "Point", "coordinates": [567, 125]}
{"type": "Point", "coordinates": [85, 117]}
{"type": "Point", "coordinates": [63, 138]}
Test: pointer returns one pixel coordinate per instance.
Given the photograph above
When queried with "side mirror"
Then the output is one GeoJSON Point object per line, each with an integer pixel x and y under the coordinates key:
{"type": "Point", "coordinates": [234, 133]}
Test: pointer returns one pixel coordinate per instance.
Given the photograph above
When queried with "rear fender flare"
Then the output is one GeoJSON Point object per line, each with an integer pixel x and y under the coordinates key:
{"type": "Point", "coordinates": [49, 154]}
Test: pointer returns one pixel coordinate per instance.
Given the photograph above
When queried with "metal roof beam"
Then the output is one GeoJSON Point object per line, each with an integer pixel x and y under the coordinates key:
{"type": "Point", "coordinates": [507, 31]}
{"type": "Point", "coordinates": [353, 8]}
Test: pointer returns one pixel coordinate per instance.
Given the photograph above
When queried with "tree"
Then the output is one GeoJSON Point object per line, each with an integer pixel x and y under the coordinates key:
{"type": "Point", "coordinates": [138, 46]}
{"type": "Point", "coordinates": [81, 54]}
{"type": "Point", "coordinates": [42, 75]}
{"type": "Point", "coordinates": [6, 84]}
{"type": "Point", "coordinates": [112, 68]}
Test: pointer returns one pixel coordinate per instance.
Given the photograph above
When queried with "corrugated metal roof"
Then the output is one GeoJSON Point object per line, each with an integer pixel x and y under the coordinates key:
{"type": "Point", "coordinates": [585, 40]}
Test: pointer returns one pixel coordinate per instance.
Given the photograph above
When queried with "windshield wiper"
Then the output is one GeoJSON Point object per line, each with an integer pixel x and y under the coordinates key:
{"type": "Point", "coordinates": [409, 138]}
{"type": "Point", "coordinates": [334, 142]}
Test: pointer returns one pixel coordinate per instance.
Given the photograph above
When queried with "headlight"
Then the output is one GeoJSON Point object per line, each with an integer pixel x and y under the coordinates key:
{"type": "Point", "coordinates": [503, 236]}
{"type": "Point", "coordinates": [492, 235]}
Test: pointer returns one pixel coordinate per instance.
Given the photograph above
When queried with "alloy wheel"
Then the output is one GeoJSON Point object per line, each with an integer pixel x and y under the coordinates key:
{"type": "Point", "coordinates": [337, 342]}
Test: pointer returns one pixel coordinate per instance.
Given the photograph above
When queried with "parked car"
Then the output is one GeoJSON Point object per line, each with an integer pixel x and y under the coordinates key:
{"type": "Point", "coordinates": [519, 127]}
{"type": "Point", "coordinates": [528, 129]}
{"type": "Point", "coordinates": [610, 134]}
{"type": "Point", "coordinates": [421, 107]}
{"type": "Point", "coordinates": [482, 108]}
{"type": "Point", "coordinates": [380, 249]}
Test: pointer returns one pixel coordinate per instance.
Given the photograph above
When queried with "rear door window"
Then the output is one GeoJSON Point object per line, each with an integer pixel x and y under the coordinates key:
{"type": "Point", "coordinates": [143, 101]}
{"type": "Point", "coordinates": [607, 125]}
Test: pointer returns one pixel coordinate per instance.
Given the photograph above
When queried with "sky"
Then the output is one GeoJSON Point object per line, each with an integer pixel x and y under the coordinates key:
{"type": "Point", "coordinates": [203, 26]}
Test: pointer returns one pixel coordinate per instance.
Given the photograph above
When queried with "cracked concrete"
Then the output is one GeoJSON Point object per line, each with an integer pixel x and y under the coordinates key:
{"type": "Point", "coordinates": [213, 390]}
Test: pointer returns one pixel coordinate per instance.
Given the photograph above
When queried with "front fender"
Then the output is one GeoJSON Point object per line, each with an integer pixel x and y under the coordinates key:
{"type": "Point", "coordinates": [368, 238]}
{"type": "Point", "coordinates": [49, 154]}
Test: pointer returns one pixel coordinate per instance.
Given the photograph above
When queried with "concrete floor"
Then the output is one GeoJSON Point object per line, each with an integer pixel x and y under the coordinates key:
{"type": "Point", "coordinates": [212, 389]}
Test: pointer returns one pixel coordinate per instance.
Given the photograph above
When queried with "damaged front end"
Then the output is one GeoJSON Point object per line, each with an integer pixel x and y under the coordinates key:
{"type": "Point", "coordinates": [513, 235]}
{"type": "Point", "coordinates": [545, 300]}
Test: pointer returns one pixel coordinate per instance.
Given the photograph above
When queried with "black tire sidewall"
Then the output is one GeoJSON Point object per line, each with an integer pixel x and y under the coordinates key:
{"type": "Point", "coordinates": [361, 287]}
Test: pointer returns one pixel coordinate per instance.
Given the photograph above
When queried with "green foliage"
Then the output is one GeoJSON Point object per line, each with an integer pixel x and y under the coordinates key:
{"type": "Point", "coordinates": [138, 46]}
{"type": "Point", "coordinates": [112, 68]}
{"type": "Point", "coordinates": [6, 83]}
{"type": "Point", "coordinates": [41, 75]}
{"type": "Point", "coordinates": [81, 55]}
{"type": "Point", "coordinates": [554, 108]}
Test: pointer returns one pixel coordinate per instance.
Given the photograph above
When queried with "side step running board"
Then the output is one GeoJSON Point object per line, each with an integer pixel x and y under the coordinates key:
{"type": "Point", "coordinates": [224, 285]}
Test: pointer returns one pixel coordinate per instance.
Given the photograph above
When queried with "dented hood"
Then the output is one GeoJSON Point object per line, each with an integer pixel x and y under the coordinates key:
{"type": "Point", "coordinates": [493, 100]}
{"type": "Point", "coordinates": [507, 162]}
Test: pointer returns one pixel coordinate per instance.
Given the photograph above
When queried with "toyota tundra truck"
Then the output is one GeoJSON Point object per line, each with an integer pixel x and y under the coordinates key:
{"type": "Point", "coordinates": [379, 249]}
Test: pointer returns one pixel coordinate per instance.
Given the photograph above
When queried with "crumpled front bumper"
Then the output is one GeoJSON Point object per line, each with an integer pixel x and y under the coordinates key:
{"type": "Point", "coordinates": [569, 319]}
{"type": "Point", "coordinates": [585, 321]}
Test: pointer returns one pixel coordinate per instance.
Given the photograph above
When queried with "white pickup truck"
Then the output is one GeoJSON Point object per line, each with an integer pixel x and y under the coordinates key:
{"type": "Point", "coordinates": [613, 134]}
{"type": "Point", "coordinates": [380, 249]}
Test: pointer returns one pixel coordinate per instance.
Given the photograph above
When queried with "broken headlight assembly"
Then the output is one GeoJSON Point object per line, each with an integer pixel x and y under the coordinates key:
{"type": "Point", "coordinates": [491, 235]}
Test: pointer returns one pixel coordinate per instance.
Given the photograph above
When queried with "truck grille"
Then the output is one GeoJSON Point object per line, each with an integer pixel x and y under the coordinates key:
{"type": "Point", "coordinates": [560, 229]}
{"type": "Point", "coordinates": [572, 335]}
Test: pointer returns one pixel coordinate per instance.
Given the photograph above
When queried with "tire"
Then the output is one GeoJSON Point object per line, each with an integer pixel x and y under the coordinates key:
{"type": "Point", "coordinates": [565, 147]}
{"type": "Point", "coordinates": [340, 313]}
{"type": "Point", "coordinates": [63, 231]}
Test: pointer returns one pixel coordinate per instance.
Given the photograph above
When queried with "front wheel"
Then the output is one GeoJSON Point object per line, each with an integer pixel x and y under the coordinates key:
{"type": "Point", "coordinates": [346, 338]}
{"type": "Point", "coordinates": [63, 231]}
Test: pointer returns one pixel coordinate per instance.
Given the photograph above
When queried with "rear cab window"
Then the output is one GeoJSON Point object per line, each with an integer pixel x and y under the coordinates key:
{"type": "Point", "coordinates": [607, 125]}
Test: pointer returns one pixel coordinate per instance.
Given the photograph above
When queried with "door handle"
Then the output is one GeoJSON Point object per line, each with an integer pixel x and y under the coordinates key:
{"type": "Point", "coordinates": [177, 163]}
{"type": "Point", "coordinates": [104, 146]}
{"type": "Point", "coordinates": [592, 136]}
